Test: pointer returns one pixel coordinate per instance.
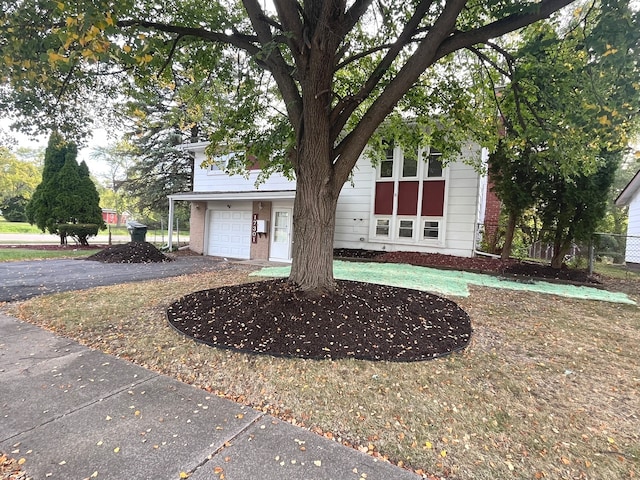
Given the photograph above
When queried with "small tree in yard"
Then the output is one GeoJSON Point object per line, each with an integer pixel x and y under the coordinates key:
{"type": "Point", "coordinates": [309, 83]}
{"type": "Point", "coordinates": [66, 203]}
{"type": "Point", "coordinates": [569, 109]}
{"type": "Point", "coordinates": [571, 210]}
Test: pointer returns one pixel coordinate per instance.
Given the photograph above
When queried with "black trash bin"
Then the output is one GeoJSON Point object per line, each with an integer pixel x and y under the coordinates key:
{"type": "Point", "coordinates": [138, 231]}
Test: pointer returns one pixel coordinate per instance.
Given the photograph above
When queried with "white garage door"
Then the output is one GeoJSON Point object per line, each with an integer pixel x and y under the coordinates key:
{"type": "Point", "coordinates": [230, 234]}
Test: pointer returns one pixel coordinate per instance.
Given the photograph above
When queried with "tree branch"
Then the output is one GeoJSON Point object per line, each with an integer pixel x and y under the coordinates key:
{"type": "Point", "coordinates": [500, 27]}
{"type": "Point", "coordinates": [288, 12]}
{"type": "Point", "coordinates": [244, 42]}
{"type": "Point", "coordinates": [354, 143]}
{"type": "Point", "coordinates": [170, 56]}
{"type": "Point", "coordinates": [353, 15]}
{"type": "Point", "coordinates": [279, 68]}
{"type": "Point", "coordinates": [343, 110]}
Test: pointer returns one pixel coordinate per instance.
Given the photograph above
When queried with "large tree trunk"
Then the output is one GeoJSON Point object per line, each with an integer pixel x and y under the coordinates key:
{"type": "Point", "coordinates": [317, 188]}
{"type": "Point", "coordinates": [508, 237]}
{"type": "Point", "coordinates": [313, 228]}
{"type": "Point", "coordinates": [314, 210]}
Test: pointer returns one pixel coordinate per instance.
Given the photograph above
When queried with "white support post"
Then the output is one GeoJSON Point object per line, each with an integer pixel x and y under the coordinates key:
{"type": "Point", "coordinates": [170, 226]}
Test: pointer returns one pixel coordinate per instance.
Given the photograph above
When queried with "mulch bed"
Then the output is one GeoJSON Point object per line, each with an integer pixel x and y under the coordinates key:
{"type": "Point", "coordinates": [361, 320]}
{"type": "Point", "coordinates": [132, 252]}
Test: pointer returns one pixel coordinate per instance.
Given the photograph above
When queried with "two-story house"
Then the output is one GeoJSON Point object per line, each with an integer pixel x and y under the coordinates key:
{"type": "Point", "coordinates": [409, 201]}
{"type": "Point", "coordinates": [630, 197]}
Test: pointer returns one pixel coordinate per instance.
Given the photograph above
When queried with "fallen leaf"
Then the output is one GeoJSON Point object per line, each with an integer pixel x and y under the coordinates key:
{"type": "Point", "coordinates": [317, 463]}
{"type": "Point", "coordinates": [116, 450]}
{"type": "Point", "coordinates": [21, 461]}
{"type": "Point", "coordinates": [184, 475]}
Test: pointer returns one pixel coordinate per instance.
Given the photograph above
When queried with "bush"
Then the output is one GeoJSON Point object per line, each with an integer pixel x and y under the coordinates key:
{"type": "Point", "coordinates": [13, 210]}
{"type": "Point", "coordinates": [78, 231]}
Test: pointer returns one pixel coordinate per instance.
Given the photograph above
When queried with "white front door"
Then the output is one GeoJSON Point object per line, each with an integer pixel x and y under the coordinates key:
{"type": "Point", "coordinates": [230, 234]}
{"type": "Point", "coordinates": [281, 234]}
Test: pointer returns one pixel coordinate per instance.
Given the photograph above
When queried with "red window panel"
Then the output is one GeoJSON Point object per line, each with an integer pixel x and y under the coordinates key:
{"type": "Point", "coordinates": [433, 198]}
{"type": "Point", "coordinates": [384, 198]}
{"type": "Point", "coordinates": [408, 198]}
{"type": "Point", "coordinates": [254, 163]}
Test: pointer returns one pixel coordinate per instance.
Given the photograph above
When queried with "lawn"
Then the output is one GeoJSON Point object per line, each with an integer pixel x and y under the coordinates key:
{"type": "Point", "coordinates": [548, 388]}
{"type": "Point", "coordinates": [17, 254]}
{"type": "Point", "coordinates": [17, 227]}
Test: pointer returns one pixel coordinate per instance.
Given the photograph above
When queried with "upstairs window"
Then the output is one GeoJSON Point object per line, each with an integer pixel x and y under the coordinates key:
{"type": "Point", "coordinates": [434, 164]}
{"type": "Point", "coordinates": [386, 166]}
{"type": "Point", "coordinates": [410, 165]}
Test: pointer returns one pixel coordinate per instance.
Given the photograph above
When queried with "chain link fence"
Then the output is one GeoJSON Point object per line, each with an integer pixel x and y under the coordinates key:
{"type": "Point", "coordinates": [606, 248]}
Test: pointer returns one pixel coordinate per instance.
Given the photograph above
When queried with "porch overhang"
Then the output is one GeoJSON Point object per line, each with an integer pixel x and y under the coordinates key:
{"type": "Point", "coordinates": [246, 195]}
{"type": "Point", "coordinates": [207, 196]}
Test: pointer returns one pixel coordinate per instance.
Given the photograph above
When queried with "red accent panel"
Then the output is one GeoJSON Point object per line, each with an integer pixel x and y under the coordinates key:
{"type": "Point", "coordinates": [384, 198]}
{"type": "Point", "coordinates": [408, 198]}
{"type": "Point", "coordinates": [254, 163]}
{"type": "Point", "coordinates": [433, 198]}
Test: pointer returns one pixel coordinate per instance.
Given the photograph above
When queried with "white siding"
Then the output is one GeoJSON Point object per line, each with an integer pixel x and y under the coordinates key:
{"type": "Point", "coordinates": [633, 230]}
{"type": "Point", "coordinates": [353, 214]}
{"type": "Point", "coordinates": [205, 180]}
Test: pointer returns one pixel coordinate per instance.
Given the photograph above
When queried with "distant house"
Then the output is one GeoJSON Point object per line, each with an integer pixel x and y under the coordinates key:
{"type": "Point", "coordinates": [111, 217]}
{"type": "Point", "coordinates": [630, 197]}
{"type": "Point", "coordinates": [408, 202]}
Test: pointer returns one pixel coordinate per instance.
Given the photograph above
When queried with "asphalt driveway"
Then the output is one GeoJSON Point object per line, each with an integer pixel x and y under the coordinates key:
{"type": "Point", "coordinates": [22, 280]}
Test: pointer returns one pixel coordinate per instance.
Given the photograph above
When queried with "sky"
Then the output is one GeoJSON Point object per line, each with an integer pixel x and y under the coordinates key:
{"type": "Point", "coordinates": [100, 138]}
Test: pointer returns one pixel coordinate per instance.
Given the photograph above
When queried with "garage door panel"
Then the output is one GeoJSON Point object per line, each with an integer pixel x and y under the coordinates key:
{"type": "Point", "coordinates": [230, 234]}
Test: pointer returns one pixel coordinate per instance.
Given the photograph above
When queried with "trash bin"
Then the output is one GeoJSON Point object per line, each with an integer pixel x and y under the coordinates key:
{"type": "Point", "coordinates": [137, 230]}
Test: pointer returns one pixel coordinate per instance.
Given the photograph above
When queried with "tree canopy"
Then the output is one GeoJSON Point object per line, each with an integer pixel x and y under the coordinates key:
{"type": "Point", "coordinates": [302, 87]}
{"type": "Point", "coordinates": [569, 108]}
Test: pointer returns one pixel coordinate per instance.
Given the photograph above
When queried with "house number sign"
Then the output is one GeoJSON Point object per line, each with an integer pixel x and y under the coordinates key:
{"type": "Point", "coordinates": [254, 228]}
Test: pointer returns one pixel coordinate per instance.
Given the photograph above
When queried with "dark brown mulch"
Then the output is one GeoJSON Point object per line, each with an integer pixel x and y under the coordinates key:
{"type": "Point", "coordinates": [363, 321]}
{"type": "Point", "coordinates": [132, 252]}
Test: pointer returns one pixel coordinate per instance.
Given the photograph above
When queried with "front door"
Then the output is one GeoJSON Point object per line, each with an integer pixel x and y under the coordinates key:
{"type": "Point", "coordinates": [281, 238]}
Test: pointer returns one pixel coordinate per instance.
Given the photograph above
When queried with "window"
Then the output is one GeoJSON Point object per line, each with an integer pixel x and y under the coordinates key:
{"type": "Point", "coordinates": [382, 227]}
{"type": "Point", "coordinates": [430, 230]}
{"type": "Point", "coordinates": [409, 197]}
{"type": "Point", "coordinates": [434, 164]}
{"type": "Point", "coordinates": [386, 166]}
{"type": "Point", "coordinates": [410, 165]}
{"type": "Point", "coordinates": [406, 229]}
{"type": "Point", "coordinates": [220, 163]}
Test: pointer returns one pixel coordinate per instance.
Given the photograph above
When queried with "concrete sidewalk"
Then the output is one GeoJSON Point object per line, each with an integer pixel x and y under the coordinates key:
{"type": "Point", "coordinates": [73, 413]}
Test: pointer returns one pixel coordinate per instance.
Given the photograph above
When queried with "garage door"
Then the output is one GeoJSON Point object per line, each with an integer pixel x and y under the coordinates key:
{"type": "Point", "coordinates": [230, 234]}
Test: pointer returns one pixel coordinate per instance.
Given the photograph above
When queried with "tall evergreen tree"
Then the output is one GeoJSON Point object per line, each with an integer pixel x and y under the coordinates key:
{"type": "Point", "coordinates": [66, 203]}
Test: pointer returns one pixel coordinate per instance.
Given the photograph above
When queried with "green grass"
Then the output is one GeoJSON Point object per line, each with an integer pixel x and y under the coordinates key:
{"type": "Point", "coordinates": [17, 227]}
{"type": "Point", "coordinates": [18, 254]}
{"type": "Point", "coordinates": [616, 271]}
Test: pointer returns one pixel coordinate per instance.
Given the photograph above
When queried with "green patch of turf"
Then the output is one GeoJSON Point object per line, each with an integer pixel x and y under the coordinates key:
{"type": "Point", "coordinates": [448, 282]}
